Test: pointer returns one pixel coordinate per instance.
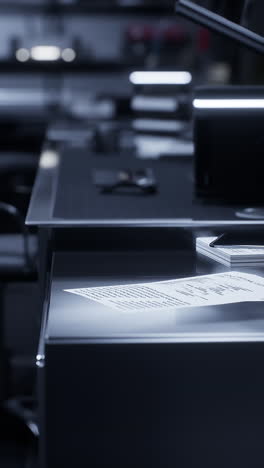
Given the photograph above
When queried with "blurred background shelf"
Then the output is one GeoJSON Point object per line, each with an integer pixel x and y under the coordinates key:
{"type": "Point", "coordinates": [88, 7]}
{"type": "Point", "coordinates": [85, 66]}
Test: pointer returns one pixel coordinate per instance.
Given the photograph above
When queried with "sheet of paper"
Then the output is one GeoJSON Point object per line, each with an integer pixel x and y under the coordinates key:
{"type": "Point", "coordinates": [196, 291]}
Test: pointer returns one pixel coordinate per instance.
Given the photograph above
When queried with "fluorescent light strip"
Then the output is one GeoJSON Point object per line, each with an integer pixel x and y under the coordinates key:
{"type": "Point", "coordinates": [154, 146]}
{"type": "Point", "coordinates": [228, 103]}
{"type": "Point", "coordinates": [160, 78]}
{"type": "Point", "coordinates": [45, 53]}
{"type": "Point", "coordinates": [154, 104]}
{"type": "Point", "coordinates": [157, 125]}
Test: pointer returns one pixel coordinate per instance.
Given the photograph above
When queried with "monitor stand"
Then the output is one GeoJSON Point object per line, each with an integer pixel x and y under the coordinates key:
{"type": "Point", "coordinates": [251, 213]}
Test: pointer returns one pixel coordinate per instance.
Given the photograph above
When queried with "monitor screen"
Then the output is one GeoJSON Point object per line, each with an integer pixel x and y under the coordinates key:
{"type": "Point", "coordinates": [229, 142]}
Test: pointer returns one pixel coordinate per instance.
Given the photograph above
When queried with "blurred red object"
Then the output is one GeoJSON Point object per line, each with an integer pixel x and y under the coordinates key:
{"type": "Point", "coordinates": [203, 39]}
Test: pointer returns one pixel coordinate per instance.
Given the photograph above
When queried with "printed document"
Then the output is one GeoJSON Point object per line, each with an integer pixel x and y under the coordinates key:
{"type": "Point", "coordinates": [196, 291]}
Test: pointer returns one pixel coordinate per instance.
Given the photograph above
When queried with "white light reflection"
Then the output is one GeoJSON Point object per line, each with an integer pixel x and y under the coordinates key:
{"type": "Point", "coordinates": [45, 53]}
{"type": "Point", "coordinates": [228, 103]}
{"type": "Point", "coordinates": [49, 159]}
{"type": "Point", "coordinates": [160, 78]}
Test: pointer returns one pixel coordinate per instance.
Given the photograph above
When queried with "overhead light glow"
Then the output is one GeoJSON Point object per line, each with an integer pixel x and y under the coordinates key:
{"type": "Point", "coordinates": [68, 54]}
{"type": "Point", "coordinates": [228, 103]}
{"type": "Point", "coordinates": [160, 78]}
{"type": "Point", "coordinates": [45, 53]}
{"type": "Point", "coordinates": [22, 55]}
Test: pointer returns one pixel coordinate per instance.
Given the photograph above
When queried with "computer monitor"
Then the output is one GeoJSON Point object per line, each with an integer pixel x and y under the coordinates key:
{"type": "Point", "coordinates": [229, 143]}
{"type": "Point", "coordinates": [228, 121]}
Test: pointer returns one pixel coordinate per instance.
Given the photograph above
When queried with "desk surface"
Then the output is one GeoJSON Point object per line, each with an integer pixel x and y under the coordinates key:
{"type": "Point", "coordinates": [74, 318]}
{"type": "Point", "coordinates": [64, 195]}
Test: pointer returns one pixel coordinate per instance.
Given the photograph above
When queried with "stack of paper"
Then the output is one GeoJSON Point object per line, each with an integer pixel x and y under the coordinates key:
{"type": "Point", "coordinates": [232, 255]}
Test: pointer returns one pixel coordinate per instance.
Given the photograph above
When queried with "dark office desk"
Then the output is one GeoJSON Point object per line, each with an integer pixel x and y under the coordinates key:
{"type": "Point", "coordinates": [64, 195]}
{"type": "Point", "coordinates": [182, 389]}
{"type": "Point", "coordinates": [155, 395]}
{"type": "Point", "coordinates": [72, 214]}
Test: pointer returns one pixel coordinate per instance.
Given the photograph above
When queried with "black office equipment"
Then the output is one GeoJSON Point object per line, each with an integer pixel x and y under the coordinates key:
{"type": "Point", "coordinates": [229, 143]}
{"type": "Point", "coordinates": [228, 124]}
{"type": "Point", "coordinates": [240, 117]}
